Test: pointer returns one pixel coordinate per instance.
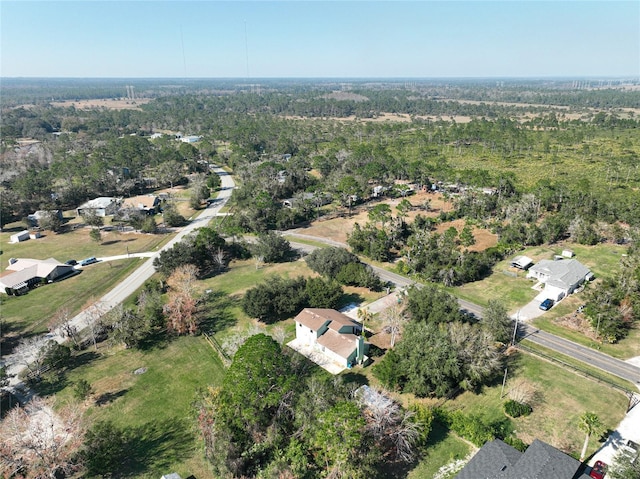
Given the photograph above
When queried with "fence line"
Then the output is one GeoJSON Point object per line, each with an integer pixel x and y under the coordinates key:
{"type": "Point", "coordinates": [589, 374]}
{"type": "Point", "coordinates": [224, 357]}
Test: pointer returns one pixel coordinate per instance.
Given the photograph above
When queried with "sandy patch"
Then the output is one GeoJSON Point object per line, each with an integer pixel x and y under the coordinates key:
{"type": "Point", "coordinates": [106, 103]}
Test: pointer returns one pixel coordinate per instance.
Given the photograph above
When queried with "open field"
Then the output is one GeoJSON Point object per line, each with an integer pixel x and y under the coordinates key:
{"type": "Point", "coordinates": [156, 407]}
{"type": "Point", "coordinates": [106, 103]}
{"type": "Point", "coordinates": [157, 404]}
{"type": "Point", "coordinates": [561, 397]}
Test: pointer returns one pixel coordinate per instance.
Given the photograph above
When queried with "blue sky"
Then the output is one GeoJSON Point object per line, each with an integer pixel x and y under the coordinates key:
{"type": "Point", "coordinates": [419, 39]}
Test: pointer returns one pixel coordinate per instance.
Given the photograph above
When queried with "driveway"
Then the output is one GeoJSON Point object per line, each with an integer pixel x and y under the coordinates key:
{"type": "Point", "coordinates": [531, 310]}
{"type": "Point", "coordinates": [628, 429]}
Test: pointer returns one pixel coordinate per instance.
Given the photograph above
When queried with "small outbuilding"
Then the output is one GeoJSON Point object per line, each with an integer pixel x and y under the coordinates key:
{"type": "Point", "coordinates": [19, 237]}
{"type": "Point", "coordinates": [521, 262]}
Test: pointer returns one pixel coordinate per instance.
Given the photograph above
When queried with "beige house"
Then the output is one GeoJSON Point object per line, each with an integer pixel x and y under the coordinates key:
{"type": "Point", "coordinates": [24, 273]}
{"type": "Point", "coordinates": [334, 336]}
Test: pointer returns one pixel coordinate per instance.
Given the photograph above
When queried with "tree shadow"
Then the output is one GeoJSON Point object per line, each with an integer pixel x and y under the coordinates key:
{"type": "Point", "coordinates": [153, 447]}
{"type": "Point", "coordinates": [351, 298]}
{"type": "Point", "coordinates": [106, 243]}
{"type": "Point", "coordinates": [108, 397]}
{"type": "Point", "coordinates": [355, 378]}
{"type": "Point", "coordinates": [216, 312]}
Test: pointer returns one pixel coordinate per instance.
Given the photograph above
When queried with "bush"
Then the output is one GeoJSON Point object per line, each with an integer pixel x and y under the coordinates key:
{"type": "Point", "coordinates": [471, 427]}
{"type": "Point", "coordinates": [82, 389]}
{"type": "Point", "coordinates": [516, 443]}
{"type": "Point", "coordinates": [516, 409]}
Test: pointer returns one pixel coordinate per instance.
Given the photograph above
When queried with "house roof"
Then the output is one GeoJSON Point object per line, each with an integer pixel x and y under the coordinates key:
{"type": "Point", "coordinates": [343, 344]}
{"type": "Point", "coordinates": [97, 203]}
{"type": "Point", "coordinates": [16, 279]}
{"type": "Point", "coordinates": [561, 273]}
{"type": "Point", "coordinates": [43, 267]}
{"type": "Point", "coordinates": [142, 202]}
{"type": "Point", "coordinates": [315, 318]}
{"type": "Point", "coordinates": [497, 460]}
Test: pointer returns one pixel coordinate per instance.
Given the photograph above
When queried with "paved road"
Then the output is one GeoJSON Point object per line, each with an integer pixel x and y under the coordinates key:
{"type": "Point", "coordinates": [134, 281]}
{"type": "Point", "coordinates": [581, 353]}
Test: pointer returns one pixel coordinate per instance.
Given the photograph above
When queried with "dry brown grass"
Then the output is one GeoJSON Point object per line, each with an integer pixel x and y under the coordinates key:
{"type": "Point", "coordinates": [106, 103]}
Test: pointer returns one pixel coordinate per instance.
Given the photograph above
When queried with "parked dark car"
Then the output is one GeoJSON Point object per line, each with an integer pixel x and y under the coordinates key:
{"type": "Point", "coordinates": [71, 262]}
{"type": "Point", "coordinates": [547, 304]}
{"type": "Point", "coordinates": [598, 470]}
{"type": "Point", "coordinates": [88, 261]}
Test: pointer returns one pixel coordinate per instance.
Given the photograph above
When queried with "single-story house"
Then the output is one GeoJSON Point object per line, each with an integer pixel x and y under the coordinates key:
{"type": "Point", "coordinates": [561, 277]}
{"type": "Point", "coordinates": [333, 334]}
{"type": "Point", "coordinates": [144, 203]}
{"type": "Point", "coordinates": [101, 206]}
{"type": "Point", "coordinates": [23, 273]}
{"type": "Point", "coordinates": [19, 237]}
{"type": "Point", "coordinates": [190, 139]}
{"type": "Point", "coordinates": [521, 262]}
{"type": "Point", "coordinates": [38, 215]}
{"type": "Point", "coordinates": [498, 460]}
{"type": "Point", "coordinates": [314, 199]}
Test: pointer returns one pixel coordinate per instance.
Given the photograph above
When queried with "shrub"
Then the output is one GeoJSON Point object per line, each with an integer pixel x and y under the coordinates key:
{"type": "Point", "coordinates": [82, 389]}
{"type": "Point", "coordinates": [471, 427]}
{"type": "Point", "coordinates": [516, 409]}
{"type": "Point", "coordinates": [516, 443]}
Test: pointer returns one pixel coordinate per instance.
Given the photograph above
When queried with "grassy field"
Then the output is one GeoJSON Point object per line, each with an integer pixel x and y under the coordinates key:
{"type": "Point", "coordinates": [561, 397]}
{"type": "Point", "coordinates": [156, 407]}
{"type": "Point", "coordinates": [30, 313]}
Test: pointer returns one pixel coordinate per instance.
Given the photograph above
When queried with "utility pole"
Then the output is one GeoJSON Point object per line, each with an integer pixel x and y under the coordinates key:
{"type": "Point", "coordinates": [504, 380]}
{"type": "Point", "coordinates": [515, 329]}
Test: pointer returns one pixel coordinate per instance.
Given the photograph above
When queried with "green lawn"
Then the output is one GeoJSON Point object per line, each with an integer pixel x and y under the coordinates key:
{"type": "Point", "coordinates": [155, 406]}
{"type": "Point", "coordinates": [30, 313]}
{"type": "Point", "coordinates": [561, 397]}
{"type": "Point", "coordinates": [443, 448]}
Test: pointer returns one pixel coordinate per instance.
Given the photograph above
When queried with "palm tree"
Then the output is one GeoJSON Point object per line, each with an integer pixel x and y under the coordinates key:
{"type": "Point", "coordinates": [590, 424]}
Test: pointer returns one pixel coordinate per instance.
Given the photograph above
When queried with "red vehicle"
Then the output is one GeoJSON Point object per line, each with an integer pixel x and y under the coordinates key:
{"type": "Point", "coordinates": [598, 470]}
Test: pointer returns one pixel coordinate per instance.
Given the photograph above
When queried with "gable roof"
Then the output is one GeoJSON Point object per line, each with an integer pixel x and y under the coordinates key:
{"type": "Point", "coordinates": [40, 267]}
{"type": "Point", "coordinates": [99, 202]}
{"type": "Point", "coordinates": [141, 202]}
{"type": "Point", "coordinates": [498, 460]}
{"type": "Point", "coordinates": [343, 344]}
{"type": "Point", "coordinates": [561, 273]}
{"type": "Point", "coordinates": [315, 318]}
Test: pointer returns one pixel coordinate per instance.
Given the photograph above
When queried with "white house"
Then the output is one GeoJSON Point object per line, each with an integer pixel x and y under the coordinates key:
{"type": "Point", "coordinates": [332, 334]}
{"type": "Point", "coordinates": [190, 139]}
{"type": "Point", "coordinates": [560, 277]}
{"type": "Point", "coordinates": [101, 206]}
{"type": "Point", "coordinates": [23, 273]}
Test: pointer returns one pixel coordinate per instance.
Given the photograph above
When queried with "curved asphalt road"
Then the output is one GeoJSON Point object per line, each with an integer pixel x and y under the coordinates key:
{"type": "Point", "coordinates": [576, 351]}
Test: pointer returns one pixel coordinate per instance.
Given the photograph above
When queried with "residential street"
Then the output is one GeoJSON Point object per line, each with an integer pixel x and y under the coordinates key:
{"type": "Point", "coordinates": [583, 354]}
{"type": "Point", "coordinates": [130, 284]}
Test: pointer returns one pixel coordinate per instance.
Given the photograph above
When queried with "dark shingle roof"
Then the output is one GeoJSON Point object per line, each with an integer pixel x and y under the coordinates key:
{"type": "Point", "coordinates": [497, 460]}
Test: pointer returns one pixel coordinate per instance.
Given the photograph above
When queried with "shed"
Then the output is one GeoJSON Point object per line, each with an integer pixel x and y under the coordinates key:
{"type": "Point", "coordinates": [19, 237]}
{"type": "Point", "coordinates": [567, 253]}
{"type": "Point", "coordinates": [521, 262]}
